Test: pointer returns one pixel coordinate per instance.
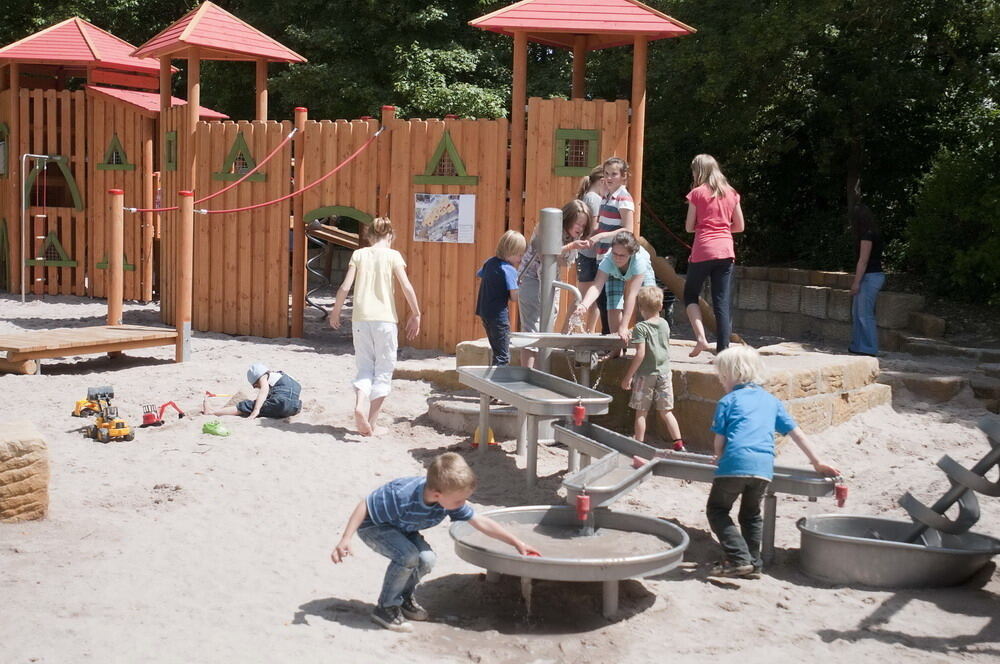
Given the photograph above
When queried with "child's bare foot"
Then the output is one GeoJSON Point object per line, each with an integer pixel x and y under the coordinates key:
{"type": "Point", "coordinates": [361, 422]}
{"type": "Point", "coordinates": [378, 431]}
{"type": "Point", "coordinates": [699, 347]}
{"type": "Point", "coordinates": [204, 407]}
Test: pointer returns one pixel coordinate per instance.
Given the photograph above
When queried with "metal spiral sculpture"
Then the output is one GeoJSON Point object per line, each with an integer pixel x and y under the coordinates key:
{"type": "Point", "coordinates": [313, 270]}
{"type": "Point", "coordinates": [965, 483]}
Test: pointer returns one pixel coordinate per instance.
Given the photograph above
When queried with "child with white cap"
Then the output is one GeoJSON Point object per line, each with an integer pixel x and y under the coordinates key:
{"type": "Point", "coordinates": [277, 396]}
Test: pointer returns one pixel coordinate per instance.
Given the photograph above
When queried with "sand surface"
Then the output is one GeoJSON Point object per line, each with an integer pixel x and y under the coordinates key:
{"type": "Point", "coordinates": [185, 547]}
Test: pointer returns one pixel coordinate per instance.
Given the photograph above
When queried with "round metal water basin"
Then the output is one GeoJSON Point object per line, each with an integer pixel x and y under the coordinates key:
{"type": "Point", "coordinates": [871, 551]}
{"type": "Point", "coordinates": [623, 546]}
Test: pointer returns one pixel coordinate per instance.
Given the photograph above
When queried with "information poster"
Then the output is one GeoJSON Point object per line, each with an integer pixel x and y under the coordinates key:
{"type": "Point", "coordinates": [444, 218]}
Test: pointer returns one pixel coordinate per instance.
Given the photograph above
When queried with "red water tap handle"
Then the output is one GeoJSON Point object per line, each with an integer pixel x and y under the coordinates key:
{"type": "Point", "coordinates": [582, 506]}
{"type": "Point", "coordinates": [840, 492]}
{"type": "Point", "coordinates": [579, 413]}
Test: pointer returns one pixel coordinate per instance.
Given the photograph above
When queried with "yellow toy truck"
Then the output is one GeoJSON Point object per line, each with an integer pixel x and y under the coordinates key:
{"type": "Point", "coordinates": [108, 426]}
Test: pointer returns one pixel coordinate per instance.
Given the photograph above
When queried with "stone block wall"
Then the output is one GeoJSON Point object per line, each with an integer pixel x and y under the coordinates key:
{"type": "Point", "coordinates": [816, 305]}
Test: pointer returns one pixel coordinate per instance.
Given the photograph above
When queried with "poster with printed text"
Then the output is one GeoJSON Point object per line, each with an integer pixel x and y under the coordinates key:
{"type": "Point", "coordinates": [444, 218]}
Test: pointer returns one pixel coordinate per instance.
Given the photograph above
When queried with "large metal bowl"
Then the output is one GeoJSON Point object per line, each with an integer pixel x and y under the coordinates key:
{"type": "Point", "coordinates": [504, 560]}
{"type": "Point", "coordinates": [871, 551]}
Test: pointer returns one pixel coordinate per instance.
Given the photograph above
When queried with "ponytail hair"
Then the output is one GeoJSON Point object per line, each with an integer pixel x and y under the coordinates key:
{"type": "Point", "coordinates": [705, 170]}
{"type": "Point", "coordinates": [378, 229]}
{"type": "Point", "coordinates": [587, 181]}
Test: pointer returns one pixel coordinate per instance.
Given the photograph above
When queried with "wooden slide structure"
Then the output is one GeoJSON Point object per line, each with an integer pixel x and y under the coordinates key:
{"type": "Point", "coordinates": [25, 349]}
{"type": "Point", "coordinates": [664, 271]}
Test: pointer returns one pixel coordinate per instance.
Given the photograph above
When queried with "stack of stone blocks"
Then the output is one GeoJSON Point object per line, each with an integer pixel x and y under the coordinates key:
{"type": "Point", "coordinates": [24, 473]}
{"type": "Point", "coordinates": [816, 305]}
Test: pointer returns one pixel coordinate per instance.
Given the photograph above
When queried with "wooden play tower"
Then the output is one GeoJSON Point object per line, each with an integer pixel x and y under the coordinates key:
{"type": "Point", "coordinates": [239, 268]}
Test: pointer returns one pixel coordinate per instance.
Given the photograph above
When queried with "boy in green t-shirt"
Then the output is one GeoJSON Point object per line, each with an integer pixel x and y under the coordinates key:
{"type": "Point", "coordinates": [648, 375]}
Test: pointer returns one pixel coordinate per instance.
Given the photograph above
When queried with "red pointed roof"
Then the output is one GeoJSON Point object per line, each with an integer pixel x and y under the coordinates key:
{"type": "Point", "coordinates": [76, 42]}
{"type": "Point", "coordinates": [149, 102]}
{"type": "Point", "coordinates": [606, 22]}
{"type": "Point", "coordinates": [219, 36]}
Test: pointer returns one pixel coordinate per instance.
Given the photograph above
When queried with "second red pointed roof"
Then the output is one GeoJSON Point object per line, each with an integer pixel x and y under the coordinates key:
{"type": "Point", "coordinates": [218, 35]}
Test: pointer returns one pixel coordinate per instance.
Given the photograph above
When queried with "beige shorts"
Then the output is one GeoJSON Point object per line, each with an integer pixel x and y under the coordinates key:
{"type": "Point", "coordinates": [652, 390]}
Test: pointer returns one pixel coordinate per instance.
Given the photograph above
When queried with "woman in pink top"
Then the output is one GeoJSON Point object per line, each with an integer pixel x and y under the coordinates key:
{"type": "Point", "coordinates": [713, 215]}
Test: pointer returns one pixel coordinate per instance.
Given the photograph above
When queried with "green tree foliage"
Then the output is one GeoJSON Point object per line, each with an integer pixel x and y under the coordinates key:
{"type": "Point", "coordinates": [955, 234]}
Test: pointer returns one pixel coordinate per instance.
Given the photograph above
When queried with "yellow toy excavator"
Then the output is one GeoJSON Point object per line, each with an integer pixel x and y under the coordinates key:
{"type": "Point", "coordinates": [108, 426]}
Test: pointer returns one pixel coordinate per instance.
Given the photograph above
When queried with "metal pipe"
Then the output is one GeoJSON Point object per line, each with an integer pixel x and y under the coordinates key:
{"type": "Point", "coordinates": [24, 210]}
{"type": "Point", "coordinates": [550, 236]}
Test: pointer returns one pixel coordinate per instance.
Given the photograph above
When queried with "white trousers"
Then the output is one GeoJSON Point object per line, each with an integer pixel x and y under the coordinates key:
{"type": "Point", "coordinates": [375, 344]}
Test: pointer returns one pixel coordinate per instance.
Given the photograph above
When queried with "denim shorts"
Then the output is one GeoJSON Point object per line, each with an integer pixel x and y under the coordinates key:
{"type": "Point", "coordinates": [282, 400]}
{"type": "Point", "coordinates": [586, 268]}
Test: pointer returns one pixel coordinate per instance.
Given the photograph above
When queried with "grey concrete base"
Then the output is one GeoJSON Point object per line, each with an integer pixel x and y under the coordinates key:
{"type": "Point", "coordinates": [462, 415]}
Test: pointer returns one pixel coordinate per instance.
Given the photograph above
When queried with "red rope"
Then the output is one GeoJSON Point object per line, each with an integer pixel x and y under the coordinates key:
{"type": "Point", "coordinates": [228, 187]}
{"type": "Point", "coordinates": [648, 208]}
{"type": "Point", "coordinates": [303, 189]}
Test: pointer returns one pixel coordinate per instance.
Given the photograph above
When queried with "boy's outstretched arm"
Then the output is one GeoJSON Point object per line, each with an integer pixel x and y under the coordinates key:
{"type": "Point", "coordinates": [343, 548]}
{"type": "Point", "coordinates": [413, 322]}
{"type": "Point", "coordinates": [342, 292]}
{"type": "Point", "coordinates": [640, 352]}
{"type": "Point", "coordinates": [262, 393]}
{"type": "Point", "coordinates": [488, 526]}
{"type": "Point", "coordinates": [800, 439]}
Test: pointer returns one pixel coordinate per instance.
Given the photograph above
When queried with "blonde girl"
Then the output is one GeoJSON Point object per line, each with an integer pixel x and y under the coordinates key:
{"type": "Point", "coordinates": [713, 215]}
{"type": "Point", "coordinates": [373, 320]}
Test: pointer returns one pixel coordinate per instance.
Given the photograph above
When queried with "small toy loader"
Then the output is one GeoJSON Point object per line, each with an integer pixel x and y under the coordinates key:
{"type": "Point", "coordinates": [108, 426]}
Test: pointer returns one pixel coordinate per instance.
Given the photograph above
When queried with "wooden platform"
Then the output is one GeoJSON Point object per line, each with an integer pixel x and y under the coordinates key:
{"type": "Point", "coordinates": [46, 344]}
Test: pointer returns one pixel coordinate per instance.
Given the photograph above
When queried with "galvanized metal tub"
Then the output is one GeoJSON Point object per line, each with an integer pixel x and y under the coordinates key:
{"type": "Point", "coordinates": [870, 551]}
{"type": "Point", "coordinates": [498, 557]}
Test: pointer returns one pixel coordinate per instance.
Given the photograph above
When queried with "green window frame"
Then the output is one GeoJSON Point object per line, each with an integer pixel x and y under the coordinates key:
{"type": "Point", "coordinates": [446, 146]}
{"type": "Point", "coordinates": [560, 143]}
{"type": "Point", "coordinates": [231, 170]}
{"type": "Point", "coordinates": [52, 240]}
{"type": "Point", "coordinates": [4, 148]}
{"type": "Point", "coordinates": [126, 266]}
{"type": "Point", "coordinates": [170, 151]}
{"type": "Point", "coordinates": [62, 163]}
{"type": "Point", "coordinates": [115, 157]}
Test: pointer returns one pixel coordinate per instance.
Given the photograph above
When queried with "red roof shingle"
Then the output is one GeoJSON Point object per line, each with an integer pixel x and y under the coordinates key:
{"type": "Point", "coordinates": [77, 42]}
{"type": "Point", "coordinates": [149, 102]}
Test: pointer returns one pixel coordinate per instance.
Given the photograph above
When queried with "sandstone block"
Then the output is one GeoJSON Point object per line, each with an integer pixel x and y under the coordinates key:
{"type": "Point", "coordinates": [740, 271]}
{"type": "Point", "coordinates": [779, 274]}
{"type": "Point", "coordinates": [985, 387]}
{"type": "Point", "coordinates": [848, 404]}
{"type": "Point", "coordinates": [991, 370]}
{"type": "Point", "coordinates": [892, 310]}
{"type": "Point", "coordinates": [797, 326]}
{"type": "Point", "coordinates": [779, 383]}
{"type": "Point", "coordinates": [814, 414]}
{"type": "Point", "coordinates": [891, 340]}
{"type": "Point", "coordinates": [814, 301]}
{"type": "Point", "coordinates": [835, 331]}
{"type": "Point", "coordinates": [475, 353]}
{"type": "Point", "coordinates": [751, 295]}
{"type": "Point", "coordinates": [831, 377]}
{"type": "Point", "coordinates": [936, 389]}
{"type": "Point", "coordinates": [757, 273]}
{"type": "Point", "coordinates": [761, 321]}
{"type": "Point", "coordinates": [800, 277]}
{"type": "Point", "coordinates": [24, 473]}
{"type": "Point", "coordinates": [703, 385]}
{"type": "Point", "coordinates": [805, 383]}
{"type": "Point", "coordinates": [878, 395]}
{"type": "Point", "coordinates": [784, 297]}
{"type": "Point", "coordinates": [695, 418]}
{"type": "Point", "coordinates": [838, 305]}
{"type": "Point", "coordinates": [927, 325]}
{"type": "Point", "coordinates": [859, 371]}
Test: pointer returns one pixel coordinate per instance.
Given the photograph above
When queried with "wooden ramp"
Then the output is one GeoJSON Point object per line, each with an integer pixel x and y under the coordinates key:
{"type": "Point", "coordinates": [46, 344]}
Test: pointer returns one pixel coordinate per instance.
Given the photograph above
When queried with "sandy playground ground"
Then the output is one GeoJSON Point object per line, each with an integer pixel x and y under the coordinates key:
{"type": "Point", "coordinates": [184, 547]}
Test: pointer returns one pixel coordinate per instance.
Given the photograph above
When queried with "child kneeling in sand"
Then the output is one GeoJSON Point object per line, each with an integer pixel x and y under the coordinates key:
{"type": "Point", "coordinates": [746, 419]}
{"type": "Point", "coordinates": [390, 519]}
{"type": "Point", "coordinates": [277, 396]}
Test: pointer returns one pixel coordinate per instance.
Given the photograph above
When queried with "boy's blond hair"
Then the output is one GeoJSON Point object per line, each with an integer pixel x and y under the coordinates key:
{"type": "Point", "coordinates": [449, 473]}
{"type": "Point", "coordinates": [650, 301]}
{"type": "Point", "coordinates": [740, 364]}
{"type": "Point", "coordinates": [511, 243]}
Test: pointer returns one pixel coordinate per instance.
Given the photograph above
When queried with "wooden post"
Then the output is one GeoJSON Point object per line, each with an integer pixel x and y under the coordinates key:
{"type": "Point", "coordinates": [262, 91]}
{"type": "Point", "coordinates": [638, 129]}
{"type": "Point", "coordinates": [185, 275]}
{"type": "Point", "coordinates": [518, 100]}
{"type": "Point", "coordinates": [116, 253]}
{"type": "Point", "coordinates": [580, 67]}
{"type": "Point", "coordinates": [166, 79]}
{"type": "Point", "coordinates": [194, 105]}
{"type": "Point", "coordinates": [148, 200]}
{"type": "Point", "coordinates": [14, 238]}
{"type": "Point", "coordinates": [299, 230]}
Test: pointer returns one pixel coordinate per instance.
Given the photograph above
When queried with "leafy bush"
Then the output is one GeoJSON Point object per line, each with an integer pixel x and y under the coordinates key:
{"type": "Point", "coordinates": [954, 236]}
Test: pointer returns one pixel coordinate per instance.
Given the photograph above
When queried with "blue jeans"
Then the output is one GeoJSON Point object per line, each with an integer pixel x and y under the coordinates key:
{"type": "Point", "coordinates": [410, 558]}
{"type": "Point", "coordinates": [498, 334]}
{"type": "Point", "coordinates": [720, 271]}
{"type": "Point", "coordinates": [864, 331]}
{"type": "Point", "coordinates": [741, 545]}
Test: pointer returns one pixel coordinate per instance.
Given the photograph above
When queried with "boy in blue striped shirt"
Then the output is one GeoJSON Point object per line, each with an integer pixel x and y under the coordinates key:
{"type": "Point", "coordinates": [389, 520]}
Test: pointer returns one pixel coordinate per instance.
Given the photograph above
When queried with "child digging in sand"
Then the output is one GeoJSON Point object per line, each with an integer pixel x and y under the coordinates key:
{"type": "Point", "coordinates": [277, 396]}
{"type": "Point", "coordinates": [373, 321]}
{"type": "Point", "coordinates": [746, 419]}
{"type": "Point", "coordinates": [390, 519]}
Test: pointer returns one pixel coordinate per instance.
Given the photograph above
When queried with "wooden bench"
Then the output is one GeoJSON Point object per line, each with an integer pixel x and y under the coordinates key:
{"type": "Point", "coordinates": [24, 349]}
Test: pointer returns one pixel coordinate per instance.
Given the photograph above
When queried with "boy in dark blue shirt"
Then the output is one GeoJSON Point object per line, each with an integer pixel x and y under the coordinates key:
{"type": "Point", "coordinates": [744, 425]}
{"type": "Point", "coordinates": [390, 519]}
{"type": "Point", "coordinates": [498, 285]}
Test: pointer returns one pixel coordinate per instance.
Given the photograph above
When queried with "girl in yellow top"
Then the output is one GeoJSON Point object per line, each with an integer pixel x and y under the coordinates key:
{"type": "Point", "coordinates": [373, 322]}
